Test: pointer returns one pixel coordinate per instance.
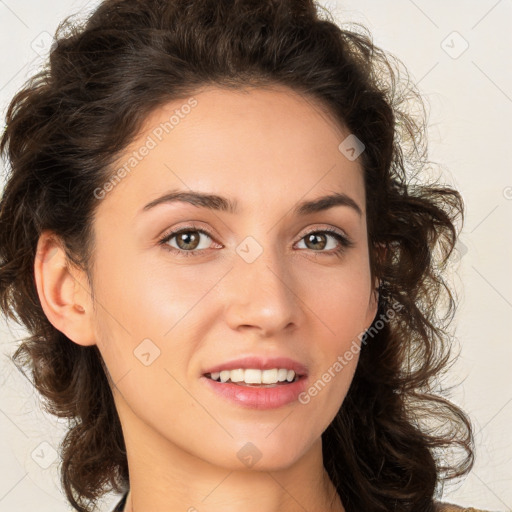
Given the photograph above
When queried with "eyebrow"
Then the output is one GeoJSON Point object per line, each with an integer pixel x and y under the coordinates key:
{"type": "Point", "coordinates": [224, 204]}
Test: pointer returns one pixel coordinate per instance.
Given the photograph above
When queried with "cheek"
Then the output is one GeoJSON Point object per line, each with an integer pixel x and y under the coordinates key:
{"type": "Point", "coordinates": [142, 311]}
{"type": "Point", "coordinates": [139, 293]}
{"type": "Point", "coordinates": [341, 312]}
{"type": "Point", "coordinates": [341, 303]}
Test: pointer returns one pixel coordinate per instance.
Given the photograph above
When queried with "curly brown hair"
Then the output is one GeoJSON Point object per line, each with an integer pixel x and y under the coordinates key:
{"type": "Point", "coordinates": [386, 449]}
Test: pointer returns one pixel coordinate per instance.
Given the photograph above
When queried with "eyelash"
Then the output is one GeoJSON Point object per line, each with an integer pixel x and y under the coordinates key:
{"type": "Point", "coordinates": [344, 242]}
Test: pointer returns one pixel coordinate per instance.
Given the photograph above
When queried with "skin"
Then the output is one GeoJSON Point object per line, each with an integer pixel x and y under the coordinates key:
{"type": "Point", "coordinates": [269, 149]}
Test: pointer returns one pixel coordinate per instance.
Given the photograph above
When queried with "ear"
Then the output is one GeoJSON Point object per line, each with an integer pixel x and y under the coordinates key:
{"type": "Point", "coordinates": [63, 291]}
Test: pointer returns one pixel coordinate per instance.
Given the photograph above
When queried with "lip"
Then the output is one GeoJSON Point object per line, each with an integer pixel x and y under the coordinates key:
{"type": "Point", "coordinates": [256, 397]}
{"type": "Point", "coordinates": [260, 363]}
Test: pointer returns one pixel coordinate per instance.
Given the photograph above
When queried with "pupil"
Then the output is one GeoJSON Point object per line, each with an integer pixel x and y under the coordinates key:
{"type": "Point", "coordinates": [314, 237]}
{"type": "Point", "coordinates": [185, 236]}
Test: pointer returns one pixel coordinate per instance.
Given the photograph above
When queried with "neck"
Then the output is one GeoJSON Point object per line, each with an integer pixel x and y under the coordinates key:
{"type": "Point", "coordinates": [328, 500]}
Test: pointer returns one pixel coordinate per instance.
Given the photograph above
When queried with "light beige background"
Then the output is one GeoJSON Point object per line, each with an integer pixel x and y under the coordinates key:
{"type": "Point", "coordinates": [469, 96]}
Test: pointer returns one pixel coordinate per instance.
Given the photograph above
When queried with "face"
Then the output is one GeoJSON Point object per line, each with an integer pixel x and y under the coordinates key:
{"type": "Point", "coordinates": [265, 280]}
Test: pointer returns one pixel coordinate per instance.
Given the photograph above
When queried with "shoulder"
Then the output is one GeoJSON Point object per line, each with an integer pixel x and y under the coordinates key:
{"type": "Point", "coordinates": [120, 506]}
{"type": "Point", "coordinates": [450, 507]}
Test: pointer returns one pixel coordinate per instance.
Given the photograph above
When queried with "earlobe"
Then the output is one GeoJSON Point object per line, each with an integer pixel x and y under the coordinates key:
{"type": "Point", "coordinates": [63, 291]}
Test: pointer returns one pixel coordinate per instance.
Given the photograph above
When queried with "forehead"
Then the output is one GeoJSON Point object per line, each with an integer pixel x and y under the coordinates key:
{"type": "Point", "coordinates": [257, 146]}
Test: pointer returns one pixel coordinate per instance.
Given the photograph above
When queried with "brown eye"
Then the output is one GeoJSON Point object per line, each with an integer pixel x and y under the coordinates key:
{"type": "Point", "coordinates": [188, 241]}
{"type": "Point", "coordinates": [318, 241]}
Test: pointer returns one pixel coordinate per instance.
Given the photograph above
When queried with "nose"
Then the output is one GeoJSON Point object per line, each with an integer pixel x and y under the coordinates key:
{"type": "Point", "coordinates": [261, 295]}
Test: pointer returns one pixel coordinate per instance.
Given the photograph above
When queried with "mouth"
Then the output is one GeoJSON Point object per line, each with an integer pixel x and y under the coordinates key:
{"type": "Point", "coordinates": [257, 389]}
{"type": "Point", "coordinates": [256, 378]}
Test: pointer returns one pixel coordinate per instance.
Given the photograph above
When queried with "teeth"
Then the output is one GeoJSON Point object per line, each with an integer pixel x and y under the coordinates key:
{"type": "Point", "coordinates": [282, 374]}
{"type": "Point", "coordinates": [236, 375]}
{"type": "Point", "coordinates": [255, 376]}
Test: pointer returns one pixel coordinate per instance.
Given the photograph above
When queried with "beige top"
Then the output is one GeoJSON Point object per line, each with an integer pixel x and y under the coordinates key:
{"type": "Point", "coordinates": [440, 507]}
{"type": "Point", "coordinates": [450, 507]}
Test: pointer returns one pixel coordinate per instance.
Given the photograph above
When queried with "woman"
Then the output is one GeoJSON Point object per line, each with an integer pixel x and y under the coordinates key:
{"type": "Point", "coordinates": [230, 278]}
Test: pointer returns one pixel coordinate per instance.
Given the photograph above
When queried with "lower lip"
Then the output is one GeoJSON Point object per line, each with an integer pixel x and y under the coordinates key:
{"type": "Point", "coordinates": [258, 397]}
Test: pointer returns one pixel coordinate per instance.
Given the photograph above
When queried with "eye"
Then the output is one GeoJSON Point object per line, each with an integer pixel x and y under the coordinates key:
{"type": "Point", "coordinates": [188, 241]}
{"type": "Point", "coordinates": [312, 238]}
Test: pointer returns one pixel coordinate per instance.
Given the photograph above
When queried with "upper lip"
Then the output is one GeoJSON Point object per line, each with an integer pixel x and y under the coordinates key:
{"type": "Point", "coordinates": [261, 363]}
